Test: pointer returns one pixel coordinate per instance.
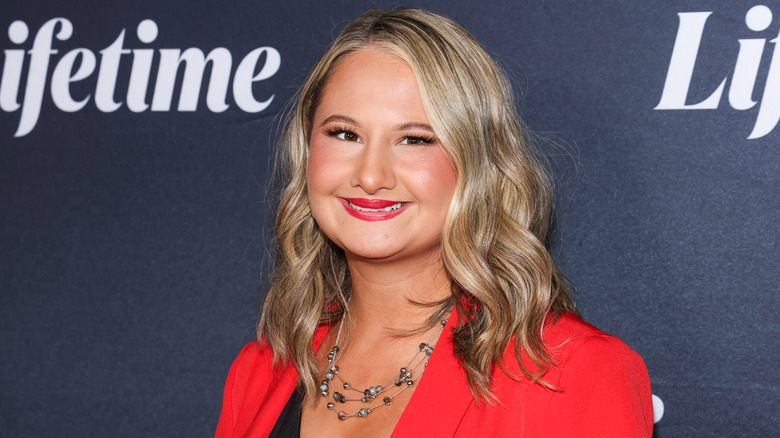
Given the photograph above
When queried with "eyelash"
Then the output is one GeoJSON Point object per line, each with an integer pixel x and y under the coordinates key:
{"type": "Point", "coordinates": [423, 139]}
{"type": "Point", "coordinates": [336, 131]}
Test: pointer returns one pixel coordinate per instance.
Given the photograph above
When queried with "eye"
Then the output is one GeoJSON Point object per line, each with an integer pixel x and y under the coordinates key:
{"type": "Point", "coordinates": [344, 134]}
{"type": "Point", "coordinates": [418, 140]}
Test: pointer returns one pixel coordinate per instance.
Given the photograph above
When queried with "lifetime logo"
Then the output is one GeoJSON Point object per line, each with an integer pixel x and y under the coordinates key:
{"type": "Point", "coordinates": [743, 80]}
{"type": "Point", "coordinates": [80, 63]}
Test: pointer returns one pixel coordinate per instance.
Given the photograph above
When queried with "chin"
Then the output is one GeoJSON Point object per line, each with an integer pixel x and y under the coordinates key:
{"type": "Point", "coordinates": [378, 254]}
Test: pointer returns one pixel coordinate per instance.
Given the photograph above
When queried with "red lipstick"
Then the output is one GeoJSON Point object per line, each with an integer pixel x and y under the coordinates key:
{"type": "Point", "coordinates": [373, 210]}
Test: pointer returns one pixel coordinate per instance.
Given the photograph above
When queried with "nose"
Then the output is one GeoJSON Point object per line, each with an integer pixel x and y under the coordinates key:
{"type": "Point", "coordinates": [374, 169]}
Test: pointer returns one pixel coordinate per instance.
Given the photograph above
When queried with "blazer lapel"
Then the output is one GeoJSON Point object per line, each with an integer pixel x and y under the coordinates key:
{"type": "Point", "coordinates": [275, 396]}
{"type": "Point", "coordinates": [442, 397]}
{"type": "Point", "coordinates": [271, 406]}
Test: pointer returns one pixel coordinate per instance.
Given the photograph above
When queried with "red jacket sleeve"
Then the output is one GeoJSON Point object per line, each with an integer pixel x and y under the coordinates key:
{"type": "Point", "coordinates": [606, 388]}
{"type": "Point", "coordinates": [226, 420]}
{"type": "Point", "coordinates": [234, 388]}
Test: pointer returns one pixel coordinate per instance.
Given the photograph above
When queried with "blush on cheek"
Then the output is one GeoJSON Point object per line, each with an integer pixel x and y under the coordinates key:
{"type": "Point", "coordinates": [314, 171]}
{"type": "Point", "coordinates": [322, 182]}
{"type": "Point", "coordinates": [323, 168]}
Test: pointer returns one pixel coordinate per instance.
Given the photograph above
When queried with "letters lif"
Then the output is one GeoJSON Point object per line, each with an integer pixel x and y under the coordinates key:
{"type": "Point", "coordinates": [743, 79]}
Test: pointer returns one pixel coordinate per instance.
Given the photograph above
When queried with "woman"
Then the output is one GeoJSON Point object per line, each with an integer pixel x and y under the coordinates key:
{"type": "Point", "coordinates": [413, 293]}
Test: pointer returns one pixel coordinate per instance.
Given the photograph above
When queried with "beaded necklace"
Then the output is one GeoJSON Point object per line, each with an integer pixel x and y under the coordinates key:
{"type": "Point", "coordinates": [406, 378]}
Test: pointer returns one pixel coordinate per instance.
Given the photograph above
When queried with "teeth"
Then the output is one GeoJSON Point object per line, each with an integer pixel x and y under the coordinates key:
{"type": "Point", "coordinates": [377, 210]}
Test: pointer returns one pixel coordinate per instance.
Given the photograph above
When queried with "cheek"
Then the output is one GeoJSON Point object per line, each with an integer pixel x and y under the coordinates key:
{"type": "Point", "coordinates": [437, 178]}
{"type": "Point", "coordinates": [320, 174]}
{"type": "Point", "coordinates": [323, 180]}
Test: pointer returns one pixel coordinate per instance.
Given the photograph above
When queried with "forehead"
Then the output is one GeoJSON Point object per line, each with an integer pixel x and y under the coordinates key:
{"type": "Point", "coordinates": [371, 77]}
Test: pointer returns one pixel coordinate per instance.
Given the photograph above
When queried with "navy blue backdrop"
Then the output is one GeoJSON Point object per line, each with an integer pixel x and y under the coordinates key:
{"type": "Point", "coordinates": [132, 236]}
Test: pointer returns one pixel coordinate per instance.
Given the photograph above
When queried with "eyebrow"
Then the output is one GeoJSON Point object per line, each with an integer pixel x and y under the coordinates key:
{"type": "Point", "coordinates": [399, 127]}
{"type": "Point", "coordinates": [413, 125]}
{"type": "Point", "coordinates": [340, 118]}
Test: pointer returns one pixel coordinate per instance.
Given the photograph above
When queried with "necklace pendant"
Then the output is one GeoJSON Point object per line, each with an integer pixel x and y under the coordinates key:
{"type": "Point", "coordinates": [337, 396]}
{"type": "Point", "coordinates": [406, 378]}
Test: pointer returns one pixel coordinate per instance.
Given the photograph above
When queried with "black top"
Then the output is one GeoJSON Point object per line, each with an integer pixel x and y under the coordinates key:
{"type": "Point", "coordinates": [289, 423]}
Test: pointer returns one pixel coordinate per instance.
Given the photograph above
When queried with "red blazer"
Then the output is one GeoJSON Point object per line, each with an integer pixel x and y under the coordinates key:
{"type": "Point", "coordinates": [604, 392]}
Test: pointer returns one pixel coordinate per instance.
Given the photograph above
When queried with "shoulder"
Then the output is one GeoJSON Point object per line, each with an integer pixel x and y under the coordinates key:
{"type": "Point", "coordinates": [253, 357]}
{"type": "Point", "coordinates": [259, 378]}
{"type": "Point", "coordinates": [570, 338]}
{"type": "Point", "coordinates": [258, 358]}
{"type": "Point", "coordinates": [599, 378]}
{"type": "Point", "coordinates": [255, 368]}
{"type": "Point", "coordinates": [254, 364]}
{"type": "Point", "coordinates": [255, 382]}
{"type": "Point", "coordinates": [589, 358]}
{"type": "Point", "coordinates": [600, 388]}
{"type": "Point", "coordinates": [252, 353]}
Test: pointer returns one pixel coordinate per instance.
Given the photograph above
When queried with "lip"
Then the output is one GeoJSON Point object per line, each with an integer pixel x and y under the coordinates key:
{"type": "Point", "coordinates": [373, 216]}
{"type": "Point", "coordinates": [371, 203]}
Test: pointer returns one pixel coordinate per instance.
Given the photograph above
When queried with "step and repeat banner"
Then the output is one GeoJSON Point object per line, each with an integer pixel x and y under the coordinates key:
{"type": "Point", "coordinates": [134, 155]}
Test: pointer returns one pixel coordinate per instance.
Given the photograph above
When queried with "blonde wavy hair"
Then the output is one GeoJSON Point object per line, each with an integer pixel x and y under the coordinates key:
{"type": "Point", "coordinates": [495, 238]}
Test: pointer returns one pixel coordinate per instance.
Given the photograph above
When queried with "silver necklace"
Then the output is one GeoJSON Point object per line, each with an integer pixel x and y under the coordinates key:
{"type": "Point", "coordinates": [405, 379]}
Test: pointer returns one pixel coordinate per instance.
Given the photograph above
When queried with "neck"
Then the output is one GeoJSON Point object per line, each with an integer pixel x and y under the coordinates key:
{"type": "Point", "coordinates": [384, 294]}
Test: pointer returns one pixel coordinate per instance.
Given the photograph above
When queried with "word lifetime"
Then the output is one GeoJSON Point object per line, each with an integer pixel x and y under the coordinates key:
{"type": "Point", "coordinates": [78, 64]}
{"type": "Point", "coordinates": [686, 48]}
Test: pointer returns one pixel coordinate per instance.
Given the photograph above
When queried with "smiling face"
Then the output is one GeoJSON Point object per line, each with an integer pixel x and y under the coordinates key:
{"type": "Point", "coordinates": [379, 182]}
